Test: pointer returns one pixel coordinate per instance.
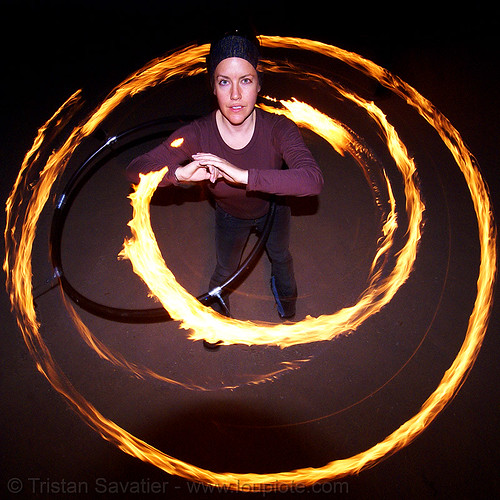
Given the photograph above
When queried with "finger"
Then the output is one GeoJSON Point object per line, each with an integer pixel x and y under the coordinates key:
{"type": "Point", "coordinates": [215, 175]}
{"type": "Point", "coordinates": [205, 154]}
{"type": "Point", "coordinates": [210, 173]}
{"type": "Point", "coordinates": [205, 158]}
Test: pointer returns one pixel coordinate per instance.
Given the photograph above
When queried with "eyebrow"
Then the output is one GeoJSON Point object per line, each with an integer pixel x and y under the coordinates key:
{"type": "Point", "coordinates": [229, 78]}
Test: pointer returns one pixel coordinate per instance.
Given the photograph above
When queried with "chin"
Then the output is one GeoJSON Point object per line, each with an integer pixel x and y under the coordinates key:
{"type": "Point", "coordinates": [237, 118]}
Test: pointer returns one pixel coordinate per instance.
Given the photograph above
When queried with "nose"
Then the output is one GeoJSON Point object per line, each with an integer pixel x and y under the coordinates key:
{"type": "Point", "coordinates": [235, 92]}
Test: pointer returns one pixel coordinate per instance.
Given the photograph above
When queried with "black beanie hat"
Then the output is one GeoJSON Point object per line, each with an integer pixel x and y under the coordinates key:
{"type": "Point", "coordinates": [232, 46]}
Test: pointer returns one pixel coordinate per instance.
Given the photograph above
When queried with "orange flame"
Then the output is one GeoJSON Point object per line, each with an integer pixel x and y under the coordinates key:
{"type": "Point", "coordinates": [177, 143]}
{"type": "Point", "coordinates": [148, 263]}
{"type": "Point", "coordinates": [17, 266]}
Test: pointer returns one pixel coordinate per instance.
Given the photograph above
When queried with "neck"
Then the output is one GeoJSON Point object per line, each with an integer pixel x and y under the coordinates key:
{"type": "Point", "coordinates": [236, 135]}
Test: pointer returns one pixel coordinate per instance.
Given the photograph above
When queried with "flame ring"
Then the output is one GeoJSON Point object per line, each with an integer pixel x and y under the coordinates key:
{"type": "Point", "coordinates": [22, 297]}
{"type": "Point", "coordinates": [204, 323]}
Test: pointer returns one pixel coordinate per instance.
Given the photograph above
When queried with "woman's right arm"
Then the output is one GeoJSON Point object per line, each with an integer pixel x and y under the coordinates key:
{"type": "Point", "coordinates": [176, 153]}
{"type": "Point", "coordinates": [168, 153]}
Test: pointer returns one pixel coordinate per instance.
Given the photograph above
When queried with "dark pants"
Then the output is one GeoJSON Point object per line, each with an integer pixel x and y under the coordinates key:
{"type": "Point", "coordinates": [231, 236]}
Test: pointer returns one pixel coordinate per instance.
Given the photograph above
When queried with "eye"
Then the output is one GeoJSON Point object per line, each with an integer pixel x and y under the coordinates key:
{"type": "Point", "coordinates": [223, 82]}
{"type": "Point", "coordinates": [246, 80]}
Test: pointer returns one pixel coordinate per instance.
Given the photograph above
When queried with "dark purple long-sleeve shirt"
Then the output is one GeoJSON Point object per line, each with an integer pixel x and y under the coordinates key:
{"type": "Point", "coordinates": [276, 139]}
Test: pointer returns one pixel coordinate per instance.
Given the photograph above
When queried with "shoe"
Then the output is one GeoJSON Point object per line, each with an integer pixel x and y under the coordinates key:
{"type": "Point", "coordinates": [285, 306]}
{"type": "Point", "coordinates": [212, 346]}
{"type": "Point", "coordinates": [222, 306]}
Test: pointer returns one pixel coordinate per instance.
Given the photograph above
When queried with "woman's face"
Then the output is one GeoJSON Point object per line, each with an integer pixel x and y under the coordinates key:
{"type": "Point", "coordinates": [236, 86]}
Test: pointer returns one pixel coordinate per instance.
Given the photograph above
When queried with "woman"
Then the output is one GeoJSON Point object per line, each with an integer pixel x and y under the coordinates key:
{"type": "Point", "coordinates": [238, 151]}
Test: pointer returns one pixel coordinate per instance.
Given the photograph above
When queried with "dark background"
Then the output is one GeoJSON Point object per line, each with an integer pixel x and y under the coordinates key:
{"type": "Point", "coordinates": [449, 53]}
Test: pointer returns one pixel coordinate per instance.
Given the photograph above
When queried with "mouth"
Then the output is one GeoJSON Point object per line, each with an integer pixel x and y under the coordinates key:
{"type": "Point", "coordinates": [235, 108]}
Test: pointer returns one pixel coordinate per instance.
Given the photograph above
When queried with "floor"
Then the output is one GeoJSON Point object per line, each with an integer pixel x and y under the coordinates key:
{"type": "Point", "coordinates": [256, 408]}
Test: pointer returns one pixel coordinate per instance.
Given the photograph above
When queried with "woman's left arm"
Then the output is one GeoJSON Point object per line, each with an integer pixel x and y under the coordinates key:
{"type": "Point", "coordinates": [303, 176]}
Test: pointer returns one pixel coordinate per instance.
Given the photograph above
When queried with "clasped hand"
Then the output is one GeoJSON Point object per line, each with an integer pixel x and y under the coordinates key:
{"type": "Point", "coordinates": [206, 166]}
